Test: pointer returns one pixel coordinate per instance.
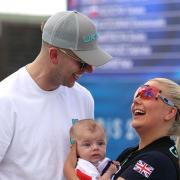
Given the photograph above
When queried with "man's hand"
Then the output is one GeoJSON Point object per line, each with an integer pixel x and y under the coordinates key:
{"type": "Point", "coordinates": [70, 164]}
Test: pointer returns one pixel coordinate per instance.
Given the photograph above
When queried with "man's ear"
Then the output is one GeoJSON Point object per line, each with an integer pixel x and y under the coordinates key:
{"type": "Point", "coordinates": [89, 69]}
{"type": "Point", "coordinates": [53, 54]}
{"type": "Point", "coordinates": [171, 114]}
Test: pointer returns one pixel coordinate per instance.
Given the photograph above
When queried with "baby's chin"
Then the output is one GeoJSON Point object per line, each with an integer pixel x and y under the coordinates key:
{"type": "Point", "coordinates": [97, 161]}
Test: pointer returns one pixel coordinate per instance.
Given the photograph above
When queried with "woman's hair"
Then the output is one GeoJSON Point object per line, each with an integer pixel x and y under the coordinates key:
{"type": "Point", "coordinates": [178, 146]}
{"type": "Point", "coordinates": [172, 91]}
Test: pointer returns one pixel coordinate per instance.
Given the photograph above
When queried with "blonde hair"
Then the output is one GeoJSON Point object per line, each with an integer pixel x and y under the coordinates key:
{"type": "Point", "coordinates": [178, 146]}
{"type": "Point", "coordinates": [172, 91]}
{"type": "Point", "coordinates": [89, 125]}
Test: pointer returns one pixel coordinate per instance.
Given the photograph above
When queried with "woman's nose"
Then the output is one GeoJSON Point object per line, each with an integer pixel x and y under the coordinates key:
{"type": "Point", "coordinates": [137, 100]}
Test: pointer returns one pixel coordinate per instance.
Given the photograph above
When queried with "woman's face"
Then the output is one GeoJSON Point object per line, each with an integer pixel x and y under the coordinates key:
{"type": "Point", "coordinates": [148, 114]}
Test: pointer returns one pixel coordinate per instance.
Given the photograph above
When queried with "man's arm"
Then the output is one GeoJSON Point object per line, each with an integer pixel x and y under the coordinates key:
{"type": "Point", "coordinates": [70, 163]}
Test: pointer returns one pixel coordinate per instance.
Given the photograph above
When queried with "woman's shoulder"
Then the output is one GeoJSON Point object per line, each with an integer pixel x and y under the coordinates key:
{"type": "Point", "coordinates": [159, 163]}
{"type": "Point", "coordinates": [150, 164]}
{"type": "Point", "coordinates": [155, 157]}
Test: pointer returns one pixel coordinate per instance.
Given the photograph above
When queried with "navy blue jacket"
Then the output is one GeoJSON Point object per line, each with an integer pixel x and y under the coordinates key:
{"type": "Point", "coordinates": [157, 161]}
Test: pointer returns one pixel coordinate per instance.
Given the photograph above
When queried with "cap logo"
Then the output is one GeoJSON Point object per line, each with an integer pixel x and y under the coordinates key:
{"type": "Point", "coordinates": [90, 37]}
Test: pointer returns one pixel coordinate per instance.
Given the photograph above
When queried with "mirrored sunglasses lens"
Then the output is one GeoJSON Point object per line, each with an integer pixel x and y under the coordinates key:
{"type": "Point", "coordinates": [147, 93]}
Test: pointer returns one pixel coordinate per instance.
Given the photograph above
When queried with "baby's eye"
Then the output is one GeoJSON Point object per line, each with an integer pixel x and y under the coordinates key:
{"type": "Point", "coordinates": [87, 144]}
{"type": "Point", "coordinates": [101, 143]}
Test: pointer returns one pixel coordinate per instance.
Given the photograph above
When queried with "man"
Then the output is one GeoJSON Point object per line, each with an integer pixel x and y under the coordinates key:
{"type": "Point", "coordinates": [39, 101]}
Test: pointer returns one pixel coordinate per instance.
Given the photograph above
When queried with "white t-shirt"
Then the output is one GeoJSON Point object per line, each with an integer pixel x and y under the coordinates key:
{"type": "Point", "coordinates": [34, 126]}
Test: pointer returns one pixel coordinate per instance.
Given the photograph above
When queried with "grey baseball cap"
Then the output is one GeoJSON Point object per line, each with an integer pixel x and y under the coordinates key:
{"type": "Point", "coordinates": [75, 31]}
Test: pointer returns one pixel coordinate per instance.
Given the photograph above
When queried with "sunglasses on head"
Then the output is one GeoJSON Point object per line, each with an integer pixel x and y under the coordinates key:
{"type": "Point", "coordinates": [149, 92]}
{"type": "Point", "coordinates": [73, 56]}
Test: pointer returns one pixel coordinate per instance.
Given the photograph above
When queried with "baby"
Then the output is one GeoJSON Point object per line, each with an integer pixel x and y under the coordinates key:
{"type": "Point", "coordinates": [91, 151]}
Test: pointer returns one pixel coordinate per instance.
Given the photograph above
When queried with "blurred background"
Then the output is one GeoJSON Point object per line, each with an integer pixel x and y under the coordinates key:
{"type": "Point", "coordinates": [142, 36]}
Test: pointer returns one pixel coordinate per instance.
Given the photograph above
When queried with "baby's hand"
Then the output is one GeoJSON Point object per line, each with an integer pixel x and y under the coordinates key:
{"type": "Point", "coordinates": [114, 166]}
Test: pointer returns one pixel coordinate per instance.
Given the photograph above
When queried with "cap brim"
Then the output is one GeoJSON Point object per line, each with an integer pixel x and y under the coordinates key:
{"type": "Point", "coordinates": [95, 57]}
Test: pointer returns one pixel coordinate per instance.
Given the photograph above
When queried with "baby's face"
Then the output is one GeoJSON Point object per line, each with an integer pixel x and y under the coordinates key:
{"type": "Point", "coordinates": [91, 146]}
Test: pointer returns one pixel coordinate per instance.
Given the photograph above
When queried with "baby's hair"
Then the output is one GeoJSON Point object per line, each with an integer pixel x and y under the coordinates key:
{"type": "Point", "coordinates": [89, 125]}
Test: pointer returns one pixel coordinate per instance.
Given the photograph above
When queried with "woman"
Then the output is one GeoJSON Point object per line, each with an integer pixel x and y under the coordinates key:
{"type": "Point", "coordinates": [155, 117]}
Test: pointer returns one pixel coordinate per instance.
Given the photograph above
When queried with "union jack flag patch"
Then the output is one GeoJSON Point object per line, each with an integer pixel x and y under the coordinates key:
{"type": "Point", "coordinates": [143, 168]}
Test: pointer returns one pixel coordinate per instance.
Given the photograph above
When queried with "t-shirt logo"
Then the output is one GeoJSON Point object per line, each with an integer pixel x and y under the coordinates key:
{"type": "Point", "coordinates": [74, 121]}
{"type": "Point", "coordinates": [173, 151]}
{"type": "Point", "coordinates": [143, 168]}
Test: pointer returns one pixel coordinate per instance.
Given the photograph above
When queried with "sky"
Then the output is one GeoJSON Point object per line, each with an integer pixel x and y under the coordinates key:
{"type": "Point", "coordinates": [32, 7]}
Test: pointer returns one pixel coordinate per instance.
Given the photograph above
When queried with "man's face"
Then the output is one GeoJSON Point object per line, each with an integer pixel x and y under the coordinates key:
{"type": "Point", "coordinates": [69, 68]}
